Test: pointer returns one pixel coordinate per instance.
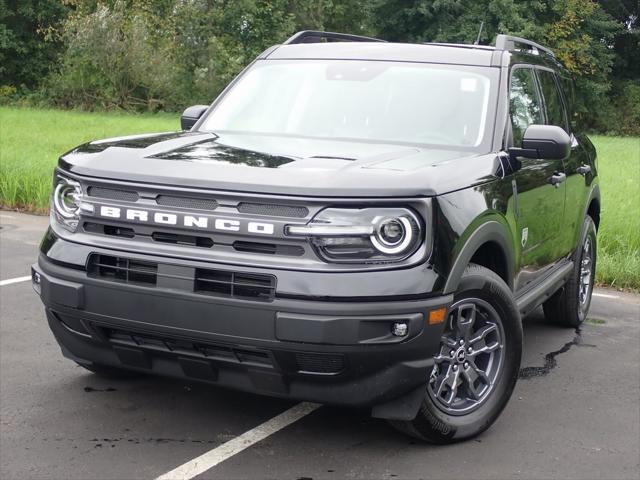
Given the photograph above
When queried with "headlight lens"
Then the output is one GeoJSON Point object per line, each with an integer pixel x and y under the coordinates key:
{"type": "Point", "coordinates": [67, 201]}
{"type": "Point", "coordinates": [365, 235]}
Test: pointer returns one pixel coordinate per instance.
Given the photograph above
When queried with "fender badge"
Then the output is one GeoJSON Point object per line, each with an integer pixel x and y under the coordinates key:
{"type": "Point", "coordinates": [525, 236]}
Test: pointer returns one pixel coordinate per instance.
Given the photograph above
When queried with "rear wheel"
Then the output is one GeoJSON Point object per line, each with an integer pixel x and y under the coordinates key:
{"type": "Point", "coordinates": [570, 305]}
{"type": "Point", "coordinates": [477, 365]}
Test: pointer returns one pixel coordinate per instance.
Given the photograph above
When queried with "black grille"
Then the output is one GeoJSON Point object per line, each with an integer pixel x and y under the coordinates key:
{"type": "Point", "coordinates": [190, 240]}
{"type": "Point", "coordinates": [233, 284]}
{"type": "Point", "coordinates": [111, 230]}
{"type": "Point", "coordinates": [328, 364]}
{"type": "Point", "coordinates": [123, 270]}
{"type": "Point", "coordinates": [222, 283]}
{"type": "Point", "coordinates": [273, 210]}
{"type": "Point", "coordinates": [187, 202]}
{"type": "Point", "coordinates": [113, 194]}
{"type": "Point", "coordinates": [268, 248]}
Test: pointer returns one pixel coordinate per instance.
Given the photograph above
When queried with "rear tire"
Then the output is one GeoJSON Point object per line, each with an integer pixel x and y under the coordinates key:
{"type": "Point", "coordinates": [569, 306]}
{"type": "Point", "coordinates": [478, 362]}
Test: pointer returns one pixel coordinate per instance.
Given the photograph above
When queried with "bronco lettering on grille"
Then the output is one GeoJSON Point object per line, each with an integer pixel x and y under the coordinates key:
{"type": "Point", "coordinates": [183, 220]}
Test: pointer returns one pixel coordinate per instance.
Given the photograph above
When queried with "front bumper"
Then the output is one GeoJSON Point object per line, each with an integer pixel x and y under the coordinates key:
{"type": "Point", "coordinates": [337, 352]}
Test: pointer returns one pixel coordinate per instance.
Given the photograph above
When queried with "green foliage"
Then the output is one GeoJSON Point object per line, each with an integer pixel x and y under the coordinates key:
{"type": "Point", "coordinates": [580, 32]}
{"type": "Point", "coordinates": [160, 54]}
{"type": "Point", "coordinates": [111, 60]}
{"type": "Point", "coordinates": [148, 55]}
{"type": "Point", "coordinates": [27, 47]}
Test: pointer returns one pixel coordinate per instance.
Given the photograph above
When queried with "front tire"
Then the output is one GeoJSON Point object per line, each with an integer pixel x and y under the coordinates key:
{"type": "Point", "coordinates": [477, 366]}
{"type": "Point", "coordinates": [569, 306]}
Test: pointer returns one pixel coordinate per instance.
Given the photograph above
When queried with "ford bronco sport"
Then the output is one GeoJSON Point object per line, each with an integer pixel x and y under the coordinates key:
{"type": "Point", "coordinates": [350, 222]}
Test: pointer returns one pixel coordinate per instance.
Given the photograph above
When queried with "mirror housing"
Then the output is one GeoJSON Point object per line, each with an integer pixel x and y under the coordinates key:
{"type": "Point", "coordinates": [543, 141]}
{"type": "Point", "coordinates": [191, 115]}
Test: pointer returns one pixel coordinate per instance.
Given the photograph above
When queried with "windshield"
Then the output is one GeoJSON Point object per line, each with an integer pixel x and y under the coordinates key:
{"type": "Point", "coordinates": [442, 105]}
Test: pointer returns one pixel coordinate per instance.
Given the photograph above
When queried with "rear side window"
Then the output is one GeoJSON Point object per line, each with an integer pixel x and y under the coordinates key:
{"type": "Point", "coordinates": [525, 107]}
{"type": "Point", "coordinates": [556, 113]}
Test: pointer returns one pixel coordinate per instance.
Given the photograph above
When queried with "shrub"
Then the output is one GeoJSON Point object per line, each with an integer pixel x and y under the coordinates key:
{"type": "Point", "coordinates": [137, 58]}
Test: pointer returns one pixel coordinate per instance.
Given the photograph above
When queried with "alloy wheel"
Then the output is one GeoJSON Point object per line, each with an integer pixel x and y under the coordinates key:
{"type": "Point", "coordinates": [586, 273]}
{"type": "Point", "coordinates": [470, 358]}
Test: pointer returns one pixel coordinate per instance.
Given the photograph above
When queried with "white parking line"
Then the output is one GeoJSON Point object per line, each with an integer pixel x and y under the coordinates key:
{"type": "Point", "coordinates": [605, 295]}
{"type": "Point", "coordinates": [14, 280]}
{"type": "Point", "coordinates": [227, 450]}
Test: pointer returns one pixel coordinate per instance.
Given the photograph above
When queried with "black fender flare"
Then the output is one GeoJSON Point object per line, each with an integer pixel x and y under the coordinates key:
{"type": "Point", "coordinates": [594, 194]}
{"type": "Point", "coordinates": [489, 231]}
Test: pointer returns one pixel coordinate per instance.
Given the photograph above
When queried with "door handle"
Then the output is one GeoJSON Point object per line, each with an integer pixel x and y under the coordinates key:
{"type": "Point", "coordinates": [557, 178]}
{"type": "Point", "coordinates": [583, 170]}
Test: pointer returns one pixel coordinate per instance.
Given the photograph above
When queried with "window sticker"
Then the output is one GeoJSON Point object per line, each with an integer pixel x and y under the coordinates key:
{"type": "Point", "coordinates": [468, 84]}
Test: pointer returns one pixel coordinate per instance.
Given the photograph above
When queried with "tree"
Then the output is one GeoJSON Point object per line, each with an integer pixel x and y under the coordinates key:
{"type": "Point", "coordinates": [27, 46]}
{"type": "Point", "coordinates": [580, 32]}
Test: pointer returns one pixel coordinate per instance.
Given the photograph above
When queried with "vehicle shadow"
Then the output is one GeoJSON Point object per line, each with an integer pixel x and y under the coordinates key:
{"type": "Point", "coordinates": [162, 410]}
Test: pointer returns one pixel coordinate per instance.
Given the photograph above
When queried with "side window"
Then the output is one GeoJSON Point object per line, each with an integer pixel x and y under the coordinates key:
{"type": "Point", "coordinates": [556, 114]}
{"type": "Point", "coordinates": [524, 103]}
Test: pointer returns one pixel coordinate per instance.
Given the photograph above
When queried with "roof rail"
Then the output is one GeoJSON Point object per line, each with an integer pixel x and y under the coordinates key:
{"type": "Point", "coordinates": [313, 36]}
{"type": "Point", "coordinates": [508, 42]}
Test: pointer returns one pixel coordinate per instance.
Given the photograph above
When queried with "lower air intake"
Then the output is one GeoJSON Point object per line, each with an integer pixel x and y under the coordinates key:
{"type": "Point", "coordinates": [319, 363]}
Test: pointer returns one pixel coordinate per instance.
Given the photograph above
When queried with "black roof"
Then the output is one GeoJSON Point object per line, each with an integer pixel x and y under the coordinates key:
{"type": "Point", "coordinates": [383, 51]}
{"type": "Point", "coordinates": [341, 46]}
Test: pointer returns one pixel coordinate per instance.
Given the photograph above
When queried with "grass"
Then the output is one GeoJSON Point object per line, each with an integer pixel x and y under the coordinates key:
{"type": "Point", "coordinates": [32, 140]}
{"type": "Point", "coordinates": [619, 234]}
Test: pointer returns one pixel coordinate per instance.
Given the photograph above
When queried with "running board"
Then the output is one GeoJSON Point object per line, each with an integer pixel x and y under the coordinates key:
{"type": "Point", "coordinates": [535, 296]}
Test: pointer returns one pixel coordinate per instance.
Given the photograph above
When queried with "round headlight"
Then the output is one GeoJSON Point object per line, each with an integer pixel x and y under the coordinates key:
{"type": "Point", "coordinates": [66, 199]}
{"type": "Point", "coordinates": [394, 235]}
{"type": "Point", "coordinates": [390, 231]}
{"type": "Point", "coordinates": [362, 235]}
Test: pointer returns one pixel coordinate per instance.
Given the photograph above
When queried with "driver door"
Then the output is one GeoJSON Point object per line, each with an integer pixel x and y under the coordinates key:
{"type": "Point", "coordinates": [539, 182]}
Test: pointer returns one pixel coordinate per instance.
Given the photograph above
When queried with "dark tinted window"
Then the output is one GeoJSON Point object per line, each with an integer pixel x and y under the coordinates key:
{"type": "Point", "coordinates": [525, 106]}
{"type": "Point", "coordinates": [556, 114]}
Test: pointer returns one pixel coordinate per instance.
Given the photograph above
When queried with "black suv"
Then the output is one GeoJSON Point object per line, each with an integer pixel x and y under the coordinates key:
{"type": "Point", "coordinates": [351, 222]}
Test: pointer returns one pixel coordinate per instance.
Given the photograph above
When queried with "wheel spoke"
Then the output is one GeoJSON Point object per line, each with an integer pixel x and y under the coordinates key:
{"type": "Point", "coordinates": [485, 348]}
{"type": "Point", "coordinates": [448, 341]}
{"type": "Point", "coordinates": [482, 333]}
{"type": "Point", "coordinates": [452, 383]}
{"type": "Point", "coordinates": [471, 376]}
{"type": "Point", "coordinates": [465, 324]}
{"type": "Point", "coordinates": [443, 381]}
{"type": "Point", "coordinates": [586, 272]}
{"type": "Point", "coordinates": [441, 358]}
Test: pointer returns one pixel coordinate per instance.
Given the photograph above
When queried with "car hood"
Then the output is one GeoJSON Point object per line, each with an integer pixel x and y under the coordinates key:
{"type": "Point", "coordinates": [281, 165]}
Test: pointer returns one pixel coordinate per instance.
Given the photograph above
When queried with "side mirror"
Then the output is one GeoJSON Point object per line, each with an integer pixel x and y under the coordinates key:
{"type": "Point", "coordinates": [191, 115]}
{"type": "Point", "coordinates": [544, 141]}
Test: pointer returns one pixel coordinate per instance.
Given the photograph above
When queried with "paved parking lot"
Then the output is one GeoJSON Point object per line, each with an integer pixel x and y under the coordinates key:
{"type": "Point", "coordinates": [574, 414]}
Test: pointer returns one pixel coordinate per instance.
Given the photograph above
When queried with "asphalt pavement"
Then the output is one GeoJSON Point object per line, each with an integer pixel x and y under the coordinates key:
{"type": "Point", "coordinates": [575, 412]}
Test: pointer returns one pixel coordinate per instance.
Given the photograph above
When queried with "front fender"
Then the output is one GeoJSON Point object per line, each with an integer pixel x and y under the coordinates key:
{"type": "Point", "coordinates": [469, 218]}
{"type": "Point", "coordinates": [489, 231]}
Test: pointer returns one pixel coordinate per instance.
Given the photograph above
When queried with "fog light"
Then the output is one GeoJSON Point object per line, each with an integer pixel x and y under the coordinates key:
{"type": "Point", "coordinates": [400, 329]}
{"type": "Point", "coordinates": [35, 281]}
